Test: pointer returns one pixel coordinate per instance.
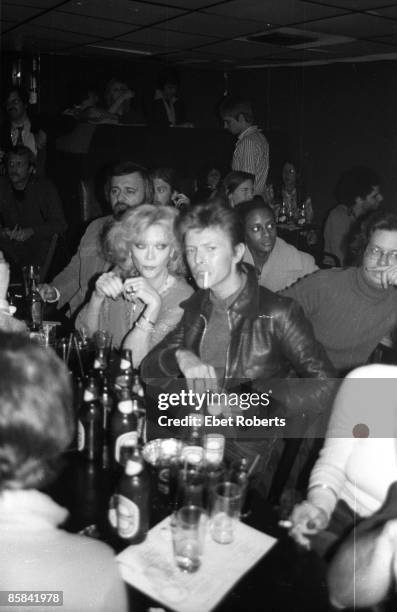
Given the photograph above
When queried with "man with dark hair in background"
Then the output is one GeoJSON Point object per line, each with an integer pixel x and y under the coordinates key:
{"type": "Point", "coordinates": [128, 185]}
{"type": "Point", "coordinates": [21, 129]}
{"type": "Point", "coordinates": [357, 192]}
{"type": "Point", "coordinates": [30, 210]}
{"type": "Point", "coordinates": [251, 153]}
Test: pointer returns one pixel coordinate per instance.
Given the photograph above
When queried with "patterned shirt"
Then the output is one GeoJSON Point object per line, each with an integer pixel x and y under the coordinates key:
{"type": "Point", "coordinates": [252, 155]}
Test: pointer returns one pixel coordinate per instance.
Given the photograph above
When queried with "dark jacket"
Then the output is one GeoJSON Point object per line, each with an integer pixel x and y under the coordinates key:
{"type": "Point", "coordinates": [158, 114]}
{"type": "Point", "coordinates": [272, 343]}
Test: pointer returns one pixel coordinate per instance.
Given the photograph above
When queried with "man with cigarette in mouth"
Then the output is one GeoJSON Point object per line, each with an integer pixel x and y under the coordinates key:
{"type": "Point", "coordinates": [235, 333]}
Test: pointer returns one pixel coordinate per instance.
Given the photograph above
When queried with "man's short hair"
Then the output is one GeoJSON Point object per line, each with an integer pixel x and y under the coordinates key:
{"type": "Point", "coordinates": [122, 168]}
{"type": "Point", "coordinates": [21, 151]}
{"type": "Point", "coordinates": [36, 412]}
{"type": "Point", "coordinates": [235, 178]}
{"type": "Point", "coordinates": [212, 214]}
{"type": "Point", "coordinates": [364, 228]}
{"type": "Point", "coordinates": [234, 107]}
{"type": "Point", "coordinates": [23, 94]}
{"type": "Point", "coordinates": [357, 182]}
{"type": "Point", "coordinates": [168, 175]}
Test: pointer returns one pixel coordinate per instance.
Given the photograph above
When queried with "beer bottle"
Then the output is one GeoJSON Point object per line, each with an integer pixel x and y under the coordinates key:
{"type": "Point", "coordinates": [138, 394]}
{"type": "Point", "coordinates": [193, 451]}
{"type": "Point", "coordinates": [302, 214]}
{"type": "Point", "coordinates": [90, 423]}
{"type": "Point", "coordinates": [100, 363]}
{"type": "Point", "coordinates": [137, 388]}
{"type": "Point", "coordinates": [107, 402]}
{"type": "Point", "coordinates": [123, 429]}
{"type": "Point", "coordinates": [35, 307]}
{"type": "Point", "coordinates": [124, 373]}
{"type": "Point", "coordinates": [282, 213]}
{"type": "Point", "coordinates": [240, 476]}
{"type": "Point", "coordinates": [129, 509]}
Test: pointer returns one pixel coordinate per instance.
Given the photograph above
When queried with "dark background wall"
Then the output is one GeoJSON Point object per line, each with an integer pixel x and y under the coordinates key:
{"type": "Point", "coordinates": [327, 117]}
{"type": "Point", "coordinates": [335, 116]}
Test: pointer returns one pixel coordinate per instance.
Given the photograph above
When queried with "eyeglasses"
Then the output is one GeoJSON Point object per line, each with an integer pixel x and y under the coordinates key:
{"type": "Point", "coordinates": [376, 252]}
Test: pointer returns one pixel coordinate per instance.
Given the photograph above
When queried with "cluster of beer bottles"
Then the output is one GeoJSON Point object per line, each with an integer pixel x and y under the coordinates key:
{"type": "Point", "coordinates": [111, 432]}
{"type": "Point", "coordinates": [111, 419]}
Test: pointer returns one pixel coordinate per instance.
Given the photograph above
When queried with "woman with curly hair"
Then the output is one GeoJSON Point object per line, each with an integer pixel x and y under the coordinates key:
{"type": "Point", "coordinates": [138, 299]}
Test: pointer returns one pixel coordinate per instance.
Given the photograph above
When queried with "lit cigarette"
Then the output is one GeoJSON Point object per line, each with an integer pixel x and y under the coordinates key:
{"type": "Point", "coordinates": [205, 280]}
{"type": "Point", "coordinates": [285, 524]}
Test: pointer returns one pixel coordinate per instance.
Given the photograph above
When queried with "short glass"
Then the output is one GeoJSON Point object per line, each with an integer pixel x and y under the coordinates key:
{"type": "Point", "coordinates": [188, 534]}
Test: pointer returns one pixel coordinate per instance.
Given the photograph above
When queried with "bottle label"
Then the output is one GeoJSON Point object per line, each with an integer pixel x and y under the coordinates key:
{"type": "Point", "coordinates": [80, 436]}
{"type": "Point", "coordinates": [125, 406]}
{"type": "Point", "coordinates": [124, 364]}
{"type": "Point", "coordinates": [112, 512]}
{"type": "Point", "coordinates": [37, 312]}
{"type": "Point", "coordinates": [129, 441]}
{"type": "Point", "coordinates": [128, 517]}
{"type": "Point", "coordinates": [193, 454]}
{"type": "Point", "coordinates": [88, 395]}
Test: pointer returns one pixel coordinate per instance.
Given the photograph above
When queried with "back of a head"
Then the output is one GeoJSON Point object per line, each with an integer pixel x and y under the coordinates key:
{"type": "Point", "coordinates": [357, 182]}
{"type": "Point", "coordinates": [233, 106]}
{"type": "Point", "coordinates": [36, 415]}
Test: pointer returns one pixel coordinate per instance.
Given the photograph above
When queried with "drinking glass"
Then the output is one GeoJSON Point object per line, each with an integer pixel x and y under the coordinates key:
{"type": "Point", "coordinates": [188, 533]}
{"type": "Point", "coordinates": [48, 334]}
{"type": "Point", "coordinates": [190, 486]}
{"type": "Point", "coordinates": [225, 512]}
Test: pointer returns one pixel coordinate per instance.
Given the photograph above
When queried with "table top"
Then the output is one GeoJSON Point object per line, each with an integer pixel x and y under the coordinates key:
{"type": "Point", "coordinates": [288, 578]}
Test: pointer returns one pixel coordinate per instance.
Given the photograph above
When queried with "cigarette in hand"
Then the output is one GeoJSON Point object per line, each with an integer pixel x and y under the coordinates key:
{"type": "Point", "coordinates": [205, 280]}
{"type": "Point", "coordinates": [285, 524]}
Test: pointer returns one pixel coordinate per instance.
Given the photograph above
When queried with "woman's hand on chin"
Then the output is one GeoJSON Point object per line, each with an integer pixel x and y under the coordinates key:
{"type": "Point", "coordinates": [140, 288]}
{"type": "Point", "coordinates": [108, 285]}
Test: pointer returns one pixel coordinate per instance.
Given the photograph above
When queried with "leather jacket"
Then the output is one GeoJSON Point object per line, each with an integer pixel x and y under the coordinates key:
{"type": "Point", "coordinates": [272, 346]}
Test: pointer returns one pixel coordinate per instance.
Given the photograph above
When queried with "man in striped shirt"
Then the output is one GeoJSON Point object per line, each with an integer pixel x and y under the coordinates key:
{"type": "Point", "coordinates": [252, 149]}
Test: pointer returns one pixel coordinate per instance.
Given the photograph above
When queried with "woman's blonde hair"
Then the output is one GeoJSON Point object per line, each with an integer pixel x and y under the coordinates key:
{"type": "Point", "coordinates": [117, 237]}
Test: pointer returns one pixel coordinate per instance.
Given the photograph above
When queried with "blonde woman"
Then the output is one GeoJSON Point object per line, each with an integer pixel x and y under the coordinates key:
{"type": "Point", "coordinates": [138, 299]}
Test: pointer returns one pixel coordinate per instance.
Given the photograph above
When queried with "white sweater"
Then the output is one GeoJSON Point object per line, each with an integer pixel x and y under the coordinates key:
{"type": "Point", "coordinates": [359, 469]}
{"type": "Point", "coordinates": [284, 266]}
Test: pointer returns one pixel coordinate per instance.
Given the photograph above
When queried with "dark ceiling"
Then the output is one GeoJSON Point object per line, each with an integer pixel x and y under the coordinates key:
{"type": "Point", "coordinates": [226, 34]}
